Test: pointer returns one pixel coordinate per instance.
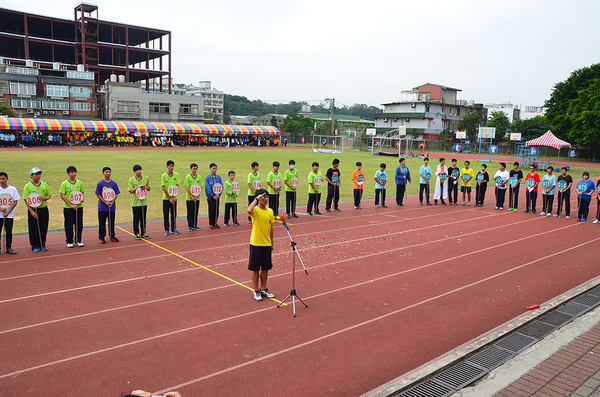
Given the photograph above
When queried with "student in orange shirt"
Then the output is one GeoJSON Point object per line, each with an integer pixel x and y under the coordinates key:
{"type": "Point", "coordinates": [358, 178]}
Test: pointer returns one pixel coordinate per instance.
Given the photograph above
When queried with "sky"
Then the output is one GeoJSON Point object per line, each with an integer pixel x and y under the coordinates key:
{"type": "Point", "coordinates": [365, 51]}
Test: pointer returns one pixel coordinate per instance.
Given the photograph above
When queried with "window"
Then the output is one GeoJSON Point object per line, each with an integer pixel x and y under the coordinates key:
{"type": "Point", "coordinates": [57, 90]}
{"type": "Point", "coordinates": [18, 88]}
{"type": "Point", "coordinates": [81, 106]}
{"type": "Point", "coordinates": [188, 108]}
{"type": "Point", "coordinates": [55, 105]}
{"type": "Point", "coordinates": [22, 70]}
{"type": "Point", "coordinates": [128, 107]}
{"type": "Point", "coordinates": [73, 74]}
{"type": "Point", "coordinates": [160, 107]}
{"type": "Point", "coordinates": [25, 103]}
{"type": "Point", "coordinates": [81, 92]}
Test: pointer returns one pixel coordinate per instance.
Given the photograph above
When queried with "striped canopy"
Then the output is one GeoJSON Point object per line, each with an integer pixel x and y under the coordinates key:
{"type": "Point", "coordinates": [548, 139]}
{"type": "Point", "coordinates": [38, 124]}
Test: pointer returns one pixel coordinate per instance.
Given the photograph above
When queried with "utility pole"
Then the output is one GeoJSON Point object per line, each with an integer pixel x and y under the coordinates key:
{"type": "Point", "coordinates": [332, 101]}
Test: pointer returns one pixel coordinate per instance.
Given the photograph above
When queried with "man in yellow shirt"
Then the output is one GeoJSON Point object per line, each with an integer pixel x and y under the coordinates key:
{"type": "Point", "coordinates": [261, 243]}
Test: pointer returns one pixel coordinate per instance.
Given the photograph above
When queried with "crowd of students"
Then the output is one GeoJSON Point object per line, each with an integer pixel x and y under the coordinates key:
{"type": "Point", "coordinates": [448, 179]}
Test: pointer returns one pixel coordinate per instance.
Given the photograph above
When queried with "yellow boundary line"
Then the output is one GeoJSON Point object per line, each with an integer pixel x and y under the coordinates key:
{"type": "Point", "coordinates": [194, 263]}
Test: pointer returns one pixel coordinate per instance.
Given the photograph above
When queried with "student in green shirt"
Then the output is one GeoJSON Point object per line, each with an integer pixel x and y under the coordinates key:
{"type": "Point", "coordinates": [230, 199]}
{"type": "Point", "coordinates": [191, 197]}
{"type": "Point", "coordinates": [170, 186]}
{"type": "Point", "coordinates": [315, 179]}
{"type": "Point", "coordinates": [37, 218]}
{"type": "Point", "coordinates": [72, 191]}
{"type": "Point", "coordinates": [254, 183]}
{"type": "Point", "coordinates": [274, 184]}
{"type": "Point", "coordinates": [139, 186]}
{"type": "Point", "coordinates": [291, 179]}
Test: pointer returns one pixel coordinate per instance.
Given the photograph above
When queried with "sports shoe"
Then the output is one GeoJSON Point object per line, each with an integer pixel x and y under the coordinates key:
{"type": "Point", "coordinates": [432, 206]}
{"type": "Point", "coordinates": [548, 214]}
{"type": "Point", "coordinates": [465, 203]}
{"type": "Point", "coordinates": [226, 224]}
{"type": "Point", "coordinates": [556, 216]}
{"type": "Point", "coordinates": [578, 219]}
{"type": "Point", "coordinates": [10, 251]}
{"type": "Point", "coordinates": [102, 241]}
{"type": "Point", "coordinates": [265, 292]}
{"type": "Point", "coordinates": [70, 245]}
{"type": "Point", "coordinates": [317, 213]}
{"type": "Point", "coordinates": [197, 228]}
{"type": "Point", "coordinates": [36, 249]}
{"type": "Point", "coordinates": [510, 209]}
{"type": "Point", "coordinates": [249, 222]}
{"type": "Point", "coordinates": [296, 216]}
{"type": "Point", "coordinates": [325, 210]}
{"type": "Point", "coordinates": [469, 204]}
{"type": "Point", "coordinates": [190, 229]}
{"type": "Point", "coordinates": [527, 211]}
{"type": "Point", "coordinates": [174, 231]}
{"type": "Point", "coordinates": [582, 220]}
{"type": "Point", "coordinates": [335, 209]}
{"type": "Point", "coordinates": [596, 221]}
{"type": "Point", "coordinates": [80, 244]}
{"type": "Point", "coordinates": [146, 236]}
{"type": "Point", "coordinates": [310, 213]}
{"type": "Point", "coordinates": [257, 295]}
{"type": "Point", "coordinates": [454, 204]}
{"type": "Point", "coordinates": [46, 249]}
{"type": "Point", "coordinates": [114, 239]}
{"type": "Point", "coordinates": [376, 206]}
{"type": "Point", "coordinates": [385, 206]}
{"type": "Point", "coordinates": [500, 208]}
{"type": "Point", "coordinates": [167, 233]}
{"type": "Point", "coordinates": [138, 237]}
{"type": "Point", "coordinates": [217, 226]}
{"type": "Point", "coordinates": [568, 217]}
{"type": "Point", "coordinates": [496, 208]}
{"type": "Point", "coordinates": [212, 226]}
{"type": "Point", "coordinates": [542, 213]}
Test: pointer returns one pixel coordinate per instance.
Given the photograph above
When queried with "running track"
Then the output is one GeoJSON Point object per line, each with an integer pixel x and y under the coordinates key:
{"type": "Point", "coordinates": [388, 291]}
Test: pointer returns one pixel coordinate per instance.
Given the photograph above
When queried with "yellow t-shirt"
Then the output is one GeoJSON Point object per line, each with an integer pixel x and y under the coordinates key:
{"type": "Point", "coordinates": [261, 227]}
{"type": "Point", "coordinates": [470, 172]}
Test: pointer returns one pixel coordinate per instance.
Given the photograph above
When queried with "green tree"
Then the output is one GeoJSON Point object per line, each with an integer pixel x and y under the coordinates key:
{"type": "Point", "coordinates": [5, 110]}
{"type": "Point", "coordinates": [557, 113]}
{"type": "Point", "coordinates": [500, 121]}
{"type": "Point", "coordinates": [298, 124]}
{"type": "Point", "coordinates": [532, 128]}
{"type": "Point", "coordinates": [470, 123]}
{"type": "Point", "coordinates": [445, 138]}
{"type": "Point", "coordinates": [584, 116]}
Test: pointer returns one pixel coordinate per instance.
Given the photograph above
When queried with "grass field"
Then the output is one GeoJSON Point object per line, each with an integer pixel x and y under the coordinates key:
{"type": "Point", "coordinates": [89, 163]}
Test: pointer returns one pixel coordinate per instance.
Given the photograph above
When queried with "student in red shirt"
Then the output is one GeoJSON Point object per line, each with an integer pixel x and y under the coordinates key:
{"type": "Point", "coordinates": [531, 181]}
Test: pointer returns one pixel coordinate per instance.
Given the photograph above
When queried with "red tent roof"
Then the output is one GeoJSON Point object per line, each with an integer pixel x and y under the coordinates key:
{"type": "Point", "coordinates": [548, 139]}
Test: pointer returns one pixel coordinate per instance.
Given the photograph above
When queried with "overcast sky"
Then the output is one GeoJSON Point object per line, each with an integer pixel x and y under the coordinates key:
{"type": "Point", "coordinates": [365, 51]}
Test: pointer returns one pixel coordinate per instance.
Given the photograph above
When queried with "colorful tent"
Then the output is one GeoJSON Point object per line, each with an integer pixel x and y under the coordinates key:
{"type": "Point", "coordinates": [549, 139]}
{"type": "Point", "coordinates": [39, 124]}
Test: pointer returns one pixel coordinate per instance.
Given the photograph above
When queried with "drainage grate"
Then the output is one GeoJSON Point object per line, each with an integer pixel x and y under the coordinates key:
{"type": "Point", "coordinates": [490, 358]}
{"type": "Point", "coordinates": [461, 375]}
{"type": "Point", "coordinates": [574, 309]}
{"type": "Point", "coordinates": [537, 329]}
{"type": "Point", "coordinates": [588, 300]}
{"type": "Point", "coordinates": [516, 342]}
{"type": "Point", "coordinates": [556, 318]}
{"type": "Point", "coordinates": [595, 291]}
{"type": "Point", "coordinates": [429, 388]}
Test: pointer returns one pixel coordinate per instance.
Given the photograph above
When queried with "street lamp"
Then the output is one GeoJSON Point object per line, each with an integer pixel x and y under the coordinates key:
{"type": "Point", "coordinates": [332, 101]}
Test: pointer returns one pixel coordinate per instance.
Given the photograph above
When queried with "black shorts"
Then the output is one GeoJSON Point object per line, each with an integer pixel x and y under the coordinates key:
{"type": "Point", "coordinates": [465, 189]}
{"type": "Point", "coordinates": [260, 258]}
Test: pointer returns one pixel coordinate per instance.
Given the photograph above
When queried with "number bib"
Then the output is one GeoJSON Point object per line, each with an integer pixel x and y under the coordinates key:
{"type": "Point", "coordinates": [466, 177]}
{"type": "Point", "coordinates": [443, 177]}
{"type": "Point", "coordinates": [6, 201]}
{"type": "Point", "coordinates": [480, 177]}
{"type": "Point", "coordinates": [561, 184]}
{"type": "Point", "coordinates": [360, 178]}
{"type": "Point", "coordinates": [295, 182]}
{"type": "Point", "coordinates": [235, 186]}
{"type": "Point", "coordinates": [530, 182]}
{"type": "Point", "coordinates": [257, 184]}
{"type": "Point", "coordinates": [34, 200]}
{"type": "Point", "coordinates": [195, 190]}
{"type": "Point", "coordinates": [318, 180]}
{"type": "Point", "coordinates": [277, 183]}
{"type": "Point", "coordinates": [455, 173]}
{"type": "Point", "coordinates": [76, 197]}
{"type": "Point", "coordinates": [335, 178]}
{"type": "Point", "coordinates": [173, 190]}
{"type": "Point", "coordinates": [582, 187]}
{"type": "Point", "coordinates": [427, 176]}
{"type": "Point", "coordinates": [498, 180]}
{"type": "Point", "coordinates": [108, 194]}
{"type": "Point", "coordinates": [513, 180]}
{"type": "Point", "coordinates": [141, 193]}
{"type": "Point", "coordinates": [217, 188]}
{"type": "Point", "coordinates": [546, 184]}
{"type": "Point", "coordinates": [404, 169]}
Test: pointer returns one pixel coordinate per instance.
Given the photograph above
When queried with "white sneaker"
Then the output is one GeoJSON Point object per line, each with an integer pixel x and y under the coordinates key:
{"type": "Point", "coordinates": [469, 204]}
{"type": "Point", "coordinates": [496, 208]}
{"type": "Point", "coordinates": [568, 217]}
{"type": "Point", "coordinates": [542, 213]}
{"type": "Point", "coordinates": [548, 214]}
{"type": "Point", "coordinates": [596, 221]}
{"type": "Point", "coordinates": [500, 208]}
{"type": "Point", "coordinates": [70, 245]}
{"type": "Point", "coordinates": [257, 296]}
{"type": "Point", "coordinates": [556, 216]}
{"type": "Point", "coordinates": [265, 292]}
{"type": "Point", "coordinates": [80, 244]}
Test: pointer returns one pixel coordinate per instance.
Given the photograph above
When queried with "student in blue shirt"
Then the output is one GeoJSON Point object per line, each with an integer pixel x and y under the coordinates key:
{"type": "Point", "coordinates": [548, 193]}
{"type": "Point", "coordinates": [380, 185]}
{"type": "Point", "coordinates": [423, 182]}
{"type": "Point", "coordinates": [585, 198]}
{"type": "Point", "coordinates": [212, 198]}
{"type": "Point", "coordinates": [401, 182]}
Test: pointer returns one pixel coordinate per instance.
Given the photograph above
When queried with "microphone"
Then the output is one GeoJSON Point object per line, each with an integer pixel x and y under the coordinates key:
{"type": "Point", "coordinates": [282, 219]}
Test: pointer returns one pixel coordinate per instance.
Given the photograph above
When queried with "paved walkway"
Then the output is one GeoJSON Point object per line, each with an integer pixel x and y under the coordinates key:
{"type": "Point", "coordinates": [565, 363]}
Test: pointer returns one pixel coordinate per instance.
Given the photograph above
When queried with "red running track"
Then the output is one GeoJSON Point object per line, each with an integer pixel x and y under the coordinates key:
{"type": "Point", "coordinates": [388, 291]}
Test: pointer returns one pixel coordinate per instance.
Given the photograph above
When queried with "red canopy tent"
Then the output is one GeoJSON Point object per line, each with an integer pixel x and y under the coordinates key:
{"type": "Point", "coordinates": [549, 139]}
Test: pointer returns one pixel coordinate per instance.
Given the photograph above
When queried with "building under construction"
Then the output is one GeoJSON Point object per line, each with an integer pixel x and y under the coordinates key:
{"type": "Point", "coordinates": [103, 48]}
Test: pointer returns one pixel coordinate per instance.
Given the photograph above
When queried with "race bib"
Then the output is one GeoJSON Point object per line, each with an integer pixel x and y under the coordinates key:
{"type": "Point", "coordinates": [235, 186]}
{"type": "Point", "coordinates": [582, 187]}
{"type": "Point", "coordinates": [562, 184]}
{"type": "Point", "coordinates": [498, 180]}
{"type": "Point", "coordinates": [173, 190]}
{"type": "Point", "coordinates": [480, 177]}
{"type": "Point", "coordinates": [6, 201]}
{"type": "Point", "coordinates": [277, 183]}
{"type": "Point", "coordinates": [217, 188]}
{"type": "Point", "coordinates": [295, 182]}
{"type": "Point", "coordinates": [141, 193]}
{"type": "Point", "coordinates": [257, 184]}
{"type": "Point", "coordinates": [513, 180]}
{"type": "Point", "coordinates": [466, 177]}
{"type": "Point", "coordinates": [76, 197]}
{"type": "Point", "coordinates": [108, 194]}
{"type": "Point", "coordinates": [195, 190]}
{"type": "Point", "coordinates": [318, 180]}
{"type": "Point", "coordinates": [546, 184]}
{"type": "Point", "coordinates": [530, 183]}
{"type": "Point", "coordinates": [34, 200]}
{"type": "Point", "coordinates": [443, 177]}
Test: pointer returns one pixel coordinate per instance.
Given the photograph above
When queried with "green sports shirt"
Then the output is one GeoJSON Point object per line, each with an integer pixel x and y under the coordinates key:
{"type": "Point", "coordinates": [312, 177]}
{"type": "Point", "coordinates": [252, 179]}
{"type": "Point", "coordinates": [189, 181]}
{"type": "Point", "coordinates": [133, 184]}
{"type": "Point", "coordinates": [168, 180]}
{"type": "Point", "coordinates": [67, 187]}
{"type": "Point", "coordinates": [288, 176]}
{"type": "Point", "coordinates": [42, 189]}
{"type": "Point", "coordinates": [271, 178]}
{"type": "Point", "coordinates": [229, 195]}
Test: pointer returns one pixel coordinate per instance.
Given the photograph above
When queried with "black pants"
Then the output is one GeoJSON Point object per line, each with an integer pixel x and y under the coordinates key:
{"type": "Point", "coordinates": [250, 200]}
{"type": "Point", "coordinates": [598, 209]}
{"type": "Point", "coordinates": [192, 213]}
{"type": "Point", "coordinates": [274, 203]}
{"type": "Point", "coordinates": [7, 223]}
{"type": "Point", "coordinates": [213, 211]}
{"type": "Point", "coordinates": [566, 197]}
{"type": "Point", "coordinates": [423, 187]}
{"type": "Point", "coordinates": [169, 209]}
{"type": "Point", "coordinates": [584, 208]}
{"type": "Point", "coordinates": [139, 219]}
{"type": "Point", "coordinates": [333, 196]}
{"type": "Point", "coordinates": [513, 197]}
{"type": "Point", "coordinates": [357, 197]}
{"type": "Point", "coordinates": [70, 217]}
{"type": "Point", "coordinates": [400, 189]}
{"type": "Point", "coordinates": [377, 193]}
{"type": "Point", "coordinates": [313, 198]}
{"type": "Point", "coordinates": [480, 193]}
{"type": "Point", "coordinates": [102, 217]}
{"type": "Point", "coordinates": [34, 232]}
{"type": "Point", "coordinates": [531, 198]}
{"type": "Point", "coordinates": [452, 189]}
{"type": "Point", "coordinates": [547, 200]}
{"type": "Point", "coordinates": [500, 197]}
{"type": "Point", "coordinates": [290, 203]}
{"type": "Point", "coordinates": [231, 208]}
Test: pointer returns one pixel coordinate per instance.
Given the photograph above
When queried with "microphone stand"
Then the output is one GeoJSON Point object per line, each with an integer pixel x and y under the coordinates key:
{"type": "Point", "coordinates": [295, 252]}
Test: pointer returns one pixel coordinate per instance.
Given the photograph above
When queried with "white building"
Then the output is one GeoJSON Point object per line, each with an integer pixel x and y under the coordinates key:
{"type": "Point", "coordinates": [422, 118]}
{"type": "Point", "coordinates": [511, 111]}
{"type": "Point", "coordinates": [531, 112]}
{"type": "Point", "coordinates": [213, 98]}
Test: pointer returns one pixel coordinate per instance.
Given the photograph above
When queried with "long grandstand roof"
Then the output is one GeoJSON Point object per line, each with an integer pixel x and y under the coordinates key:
{"type": "Point", "coordinates": [39, 124]}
